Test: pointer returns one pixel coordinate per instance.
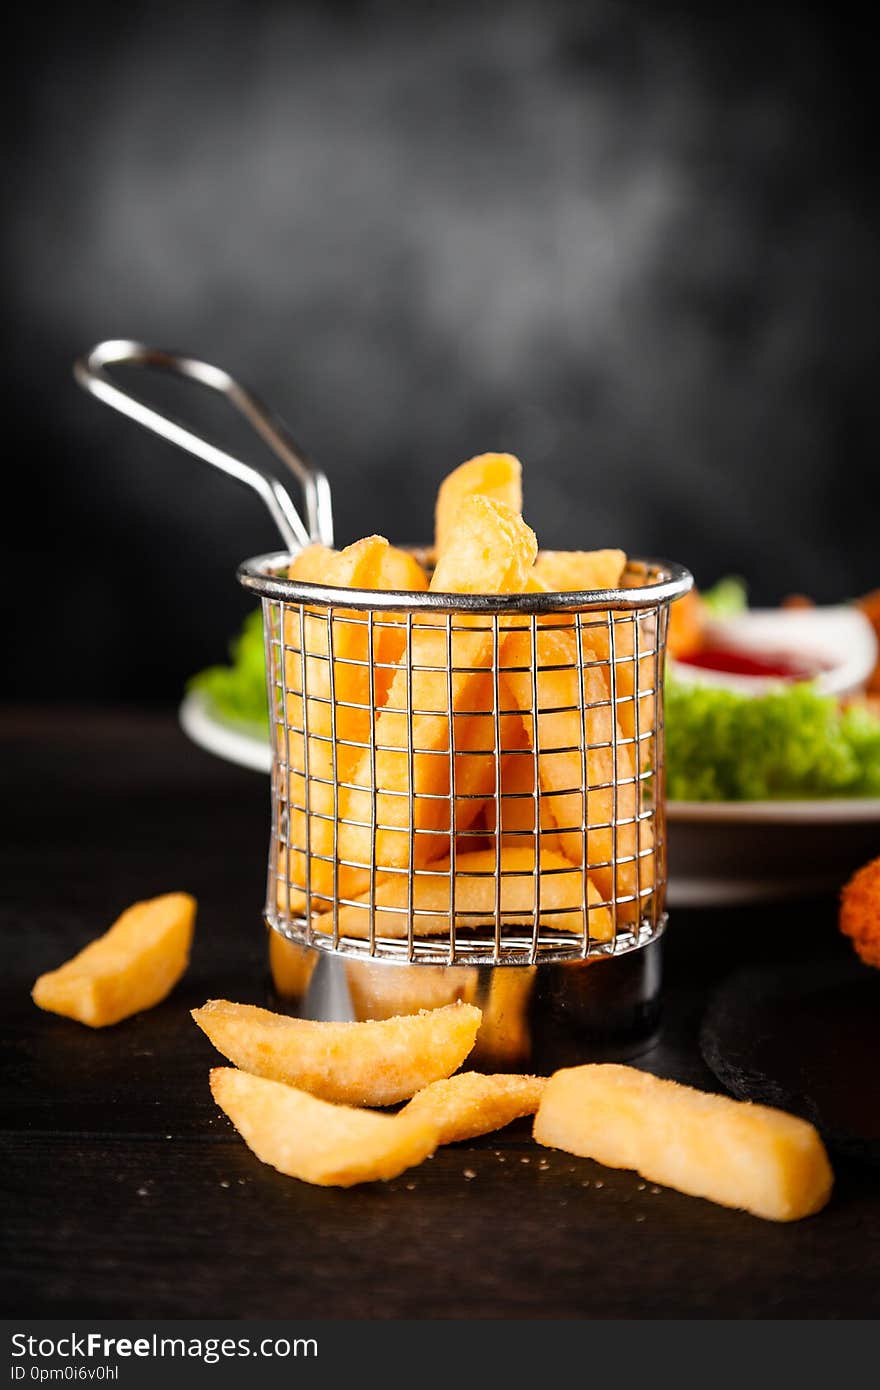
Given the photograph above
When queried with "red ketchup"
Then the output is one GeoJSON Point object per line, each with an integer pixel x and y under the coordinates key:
{"type": "Point", "coordinates": [735, 661]}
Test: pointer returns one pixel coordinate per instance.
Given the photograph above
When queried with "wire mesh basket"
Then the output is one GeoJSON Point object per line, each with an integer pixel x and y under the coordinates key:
{"type": "Point", "coordinates": [466, 779]}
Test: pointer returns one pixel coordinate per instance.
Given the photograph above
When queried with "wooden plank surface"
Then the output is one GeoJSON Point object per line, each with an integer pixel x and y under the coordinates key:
{"type": "Point", "coordinates": [126, 1194]}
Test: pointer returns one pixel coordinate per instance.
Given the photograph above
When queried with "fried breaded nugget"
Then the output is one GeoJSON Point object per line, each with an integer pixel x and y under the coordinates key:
{"type": "Point", "coordinates": [860, 912]}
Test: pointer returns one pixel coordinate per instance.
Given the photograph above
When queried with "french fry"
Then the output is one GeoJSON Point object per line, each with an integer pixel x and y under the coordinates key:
{"type": "Point", "coordinates": [520, 793]}
{"type": "Point", "coordinates": [471, 1103]}
{"type": "Point", "coordinates": [401, 570]}
{"type": "Point", "coordinates": [377, 1063]}
{"type": "Point", "coordinates": [316, 765]}
{"type": "Point", "coordinates": [311, 564]}
{"type": "Point", "coordinates": [765, 1161]}
{"type": "Point", "coordinates": [368, 564]}
{"type": "Point", "coordinates": [567, 570]}
{"type": "Point", "coordinates": [130, 968]}
{"type": "Point", "coordinates": [491, 551]}
{"type": "Point", "coordinates": [580, 787]}
{"type": "Point", "coordinates": [560, 884]}
{"type": "Point", "coordinates": [498, 476]}
{"type": "Point", "coordinates": [306, 1138]}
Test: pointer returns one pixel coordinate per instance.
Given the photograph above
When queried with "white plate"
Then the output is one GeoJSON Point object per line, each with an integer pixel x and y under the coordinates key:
{"type": "Point", "coordinates": [720, 852]}
{"type": "Point", "coordinates": [233, 742]}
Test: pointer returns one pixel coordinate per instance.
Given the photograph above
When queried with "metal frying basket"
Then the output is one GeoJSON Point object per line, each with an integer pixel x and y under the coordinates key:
{"type": "Point", "coordinates": [508, 811]}
{"type": "Point", "coordinates": [467, 784]}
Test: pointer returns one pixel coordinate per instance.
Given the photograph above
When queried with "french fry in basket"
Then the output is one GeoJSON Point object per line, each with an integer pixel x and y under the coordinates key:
{"type": "Point", "coordinates": [498, 476]}
{"type": "Point", "coordinates": [312, 564]}
{"type": "Point", "coordinates": [312, 767]}
{"type": "Point", "coordinates": [306, 1138]}
{"type": "Point", "coordinates": [740, 1155]}
{"type": "Point", "coordinates": [375, 1063]}
{"type": "Point", "coordinates": [491, 551]}
{"type": "Point", "coordinates": [481, 876]}
{"type": "Point", "coordinates": [574, 712]}
{"type": "Point", "coordinates": [471, 1103]}
{"type": "Point", "coordinates": [563, 570]}
{"type": "Point", "coordinates": [401, 570]}
{"type": "Point", "coordinates": [130, 968]}
{"type": "Point", "coordinates": [520, 792]}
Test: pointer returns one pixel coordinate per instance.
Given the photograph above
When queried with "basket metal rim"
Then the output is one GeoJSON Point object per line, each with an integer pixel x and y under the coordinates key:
{"type": "Point", "coordinates": [258, 575]}
{"type": "Point", "coordinates": [434, 951]}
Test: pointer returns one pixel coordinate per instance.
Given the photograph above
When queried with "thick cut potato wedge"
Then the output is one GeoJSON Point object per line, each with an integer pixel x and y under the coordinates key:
{"type": "Point", "coordinates": [769, 1163]}
{"type": "Point", "coordinates": [311, 564]}
{"type": "Point", "coordinates": [347, 1063]}
{"type": "Point", "coordinates": [491, 551]}
{"type": "Point", "coordinates": [520, 794]}
{"type": "Point", "coordinates": [686, 622]}
{"type": "Point", "coordinates": [130, 968]}
{"type": "Point", "coordinates": [329, 1145]}
{"type": "Point", "coordinates": [358, 566]}
{"type": "Point", "coordinates": [470, 1104]}
{"type": "Point", "coordinates": [580, 788]}
{"type": "Point", "coordinates": [401, 571]}
{"type": "Point", "coordinates": [567, 570]}
{"type": "Point", "coordinates": [560, 884]}
{"type": "Point", "coordinates": [498, 476]}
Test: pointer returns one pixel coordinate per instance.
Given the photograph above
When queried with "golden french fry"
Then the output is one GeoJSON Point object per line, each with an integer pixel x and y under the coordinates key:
{"type": "Point", "coordinates": [567, 570]}
{"type": "Point", "coordinates": [491, 551]}
{"type": "Point", "coordinates": [498, 476]}
{"type": "Point", "coordinates": [520, 792]}
{"type": "Point", "coordinates": [306, 1138]}
{"type": "Point", "coordinates": [587, 771]}
{"type": "Point", "coordinates": [377, 1063]}
{"type": "Point", "coordinates": [311, 564]}
{"type": "Point", "coordinates": [471, 1103]}
{"type": "Point", "coordinates": [739, 1155]}
{"type": "Point", "coordinates": [401, 571]}
{"type": "Point", "coordinates": [316, 765]}
{"type": "Point", "coordinates": [477, 872]}
{"type": "Point", "coordinates": [635, 716]}
{"type": "Point", "coordinates": [130, 968]}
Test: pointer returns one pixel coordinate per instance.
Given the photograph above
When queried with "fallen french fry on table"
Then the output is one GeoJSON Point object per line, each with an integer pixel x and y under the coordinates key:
{"type": "Point", "coordinates": [731, 1152]}
{"type": "Point", "coordinates": [471, 1103]}
{"type": "Point", "coordinates": [307, 1138]}
{"type": "Point", "coordinates": [373, 1063]}
{"type": "Point", "coordinates": [130, 968]}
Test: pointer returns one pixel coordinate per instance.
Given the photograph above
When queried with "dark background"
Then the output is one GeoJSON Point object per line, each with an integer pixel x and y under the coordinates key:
{"type": "Point", "coordinates": [633, 244]}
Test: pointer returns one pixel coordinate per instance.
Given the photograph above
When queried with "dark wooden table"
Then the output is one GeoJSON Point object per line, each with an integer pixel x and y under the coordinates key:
{"type": "Point", "coordinates": [127, 1195]}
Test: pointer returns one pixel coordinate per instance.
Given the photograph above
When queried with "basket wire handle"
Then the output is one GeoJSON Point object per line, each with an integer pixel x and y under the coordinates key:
{"type": "Point", "coordinates": [91, 373]}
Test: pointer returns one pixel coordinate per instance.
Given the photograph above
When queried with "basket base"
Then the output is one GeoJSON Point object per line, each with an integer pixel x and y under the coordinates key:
{"type": "Point", "coordinates": [535, 1018]}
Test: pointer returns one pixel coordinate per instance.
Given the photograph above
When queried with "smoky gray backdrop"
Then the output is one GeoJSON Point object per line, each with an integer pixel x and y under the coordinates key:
{"type": "Point", "coordinates": [633, 244]}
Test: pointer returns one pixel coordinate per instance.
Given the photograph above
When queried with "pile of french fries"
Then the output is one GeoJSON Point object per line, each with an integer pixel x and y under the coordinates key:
{"type": "Point", "coordinates": [301, 1094]}
{"type": "Point", "coordinates": [452, 768]}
